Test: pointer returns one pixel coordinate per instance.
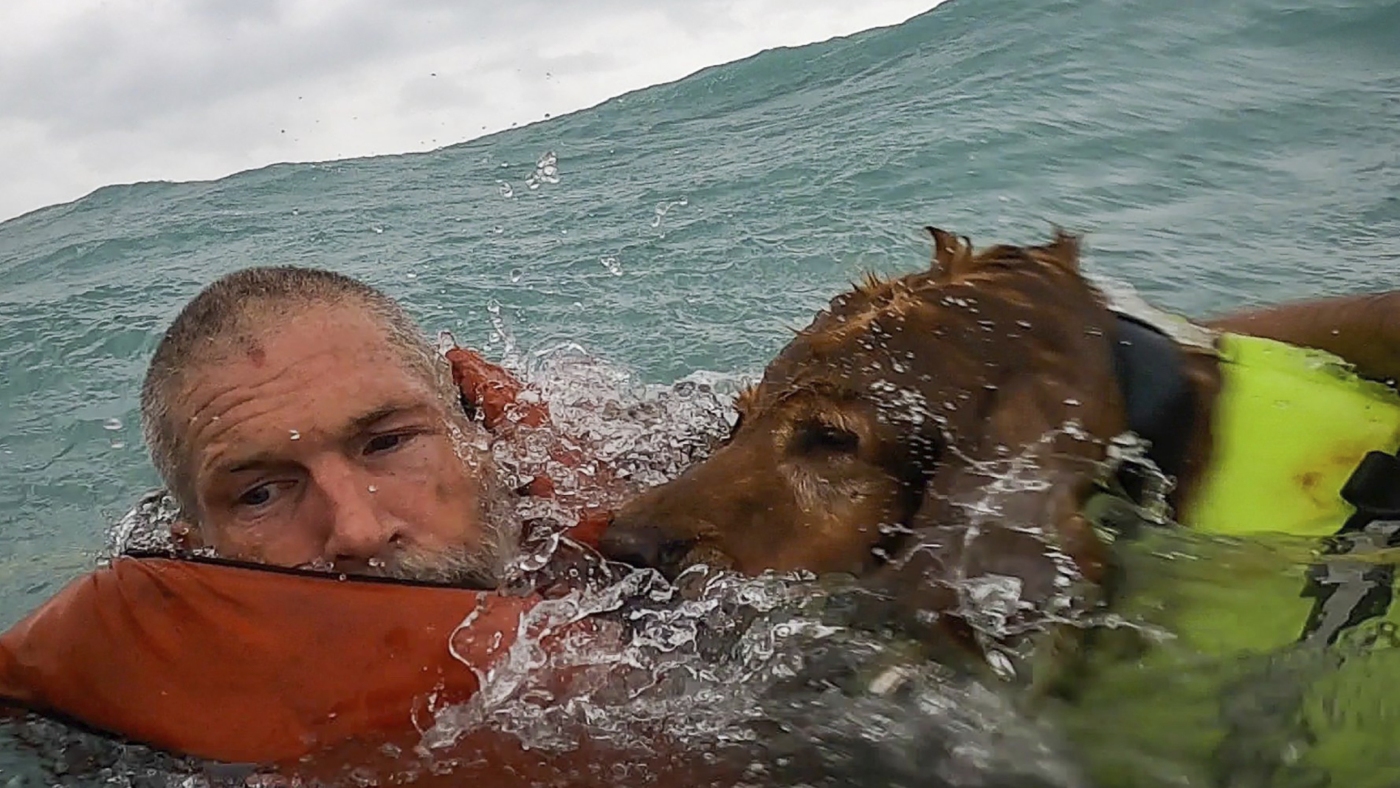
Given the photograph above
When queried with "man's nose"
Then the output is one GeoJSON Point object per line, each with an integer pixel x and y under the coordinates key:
{"type": "Point", "coordinates": [360, 529]}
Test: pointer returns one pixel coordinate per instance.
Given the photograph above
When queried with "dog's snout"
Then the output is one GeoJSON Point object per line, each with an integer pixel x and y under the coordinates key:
{"type": "Point", "coordinates": [644, 546]}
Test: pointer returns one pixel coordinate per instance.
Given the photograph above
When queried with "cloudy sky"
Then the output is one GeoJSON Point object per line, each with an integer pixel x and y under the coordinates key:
{"type": "Point", "coordinates": [94, 92]}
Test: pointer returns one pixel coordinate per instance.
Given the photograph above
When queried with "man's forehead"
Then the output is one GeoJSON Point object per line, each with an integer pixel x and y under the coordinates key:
{"type": "Point", "coordinates": [339, 357]}
{"type": "Point", "coordinates": [270, 345]}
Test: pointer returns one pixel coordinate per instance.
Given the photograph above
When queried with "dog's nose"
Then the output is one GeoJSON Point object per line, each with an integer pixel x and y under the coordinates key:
{"type": "Point", "coordinates": [644, 546]}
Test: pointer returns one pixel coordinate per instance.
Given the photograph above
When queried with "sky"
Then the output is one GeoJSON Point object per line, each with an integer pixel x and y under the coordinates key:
{"type": "Point", "coordinates": [97, 92]}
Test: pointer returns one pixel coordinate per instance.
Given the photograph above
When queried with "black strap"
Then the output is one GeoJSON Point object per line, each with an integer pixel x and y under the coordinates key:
{"type": "Point", "coordinates": [1346, 593]}
{"type": "Point", "coordinates": [1374, 489]}
{"type": "Point", "coordinates": [1150, 368]}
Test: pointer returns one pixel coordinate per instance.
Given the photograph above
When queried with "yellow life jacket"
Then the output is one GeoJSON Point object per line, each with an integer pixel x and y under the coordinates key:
{"type": "Point", "coordinates": [1291, 425]}
{"type": "Point", "coordinates": [1280, 656]}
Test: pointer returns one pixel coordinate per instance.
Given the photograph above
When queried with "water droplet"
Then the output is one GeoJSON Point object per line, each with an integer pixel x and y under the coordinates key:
{"type": "Point", "coordinates": [493, 306]}
{"type": "Point", "coordinates": [411, 275]}
{"type": "Point", "coordinates": [296, 436]}
{"type": "Point", "coordinates": [112, 425]}
{"type": "Point", "coordinates": [377, 230]}
{"type": "Point", "coordinates": [373, 489]}
{"type": "Point", "coordinates": [546, 171]}
{"type": "Point", "coordinates": [119, 444]}
{"type": "Point", "coordinates": [611, 263]}
{"type": "Point", "coordinates": [515, 275]}
{"type": "Point", "coordinates": [498, 230]}
{"type": "Point", "coordinates": [506, 191]}
{"type": "Point", "coordinates": [296, 212]}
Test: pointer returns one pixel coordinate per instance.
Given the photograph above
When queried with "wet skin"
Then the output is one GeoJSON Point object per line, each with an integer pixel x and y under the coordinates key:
{"type": "Point", "coordinates": [312, 444]}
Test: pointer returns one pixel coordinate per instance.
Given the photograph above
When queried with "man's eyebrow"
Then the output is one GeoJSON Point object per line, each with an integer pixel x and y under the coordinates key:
{"type": "Point", "coordinates": [254, 462]}
{"type": "Point", "coordinates": [358, 425]}
{"type": "Point", "coordinates": [361, 423]}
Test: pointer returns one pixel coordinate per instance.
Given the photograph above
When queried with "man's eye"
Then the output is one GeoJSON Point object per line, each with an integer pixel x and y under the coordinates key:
{"type": "Point", "coordinates": [389, 442]}
{"type": "Point", "coordinates": [257, 496]}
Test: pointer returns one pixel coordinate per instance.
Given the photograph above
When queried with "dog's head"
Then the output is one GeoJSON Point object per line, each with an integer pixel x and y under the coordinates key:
{"type": "Point", "coordinates": [899, 411]}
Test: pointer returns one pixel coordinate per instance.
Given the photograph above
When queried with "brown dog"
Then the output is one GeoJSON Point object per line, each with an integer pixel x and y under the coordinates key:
{"type": "Point", "coordinates": [946, 427]}
{"type": "Point", "coordinates": [894, 414]}
{"type": "Point", "coordinates": [938, 435]}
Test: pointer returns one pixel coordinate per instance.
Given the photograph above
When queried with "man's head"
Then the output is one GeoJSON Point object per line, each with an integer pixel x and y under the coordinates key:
{"type": "Point", "coordinates": [300, 417]}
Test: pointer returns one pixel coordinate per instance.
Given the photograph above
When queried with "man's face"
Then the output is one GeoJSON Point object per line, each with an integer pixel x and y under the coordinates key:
{"type": "Point", "coordinates": [313, 444]}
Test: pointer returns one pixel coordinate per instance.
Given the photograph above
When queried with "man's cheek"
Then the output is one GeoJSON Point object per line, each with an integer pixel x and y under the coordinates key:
{"type": "Point", "coordinates": [427, 459]}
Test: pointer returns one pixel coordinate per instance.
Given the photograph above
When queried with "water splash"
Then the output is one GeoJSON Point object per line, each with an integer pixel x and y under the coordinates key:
{"type": "Point", "coordinates": [663, 208]}
{"type": "Point", "coordinates": [146, 527]}
{"type": "Point", "coordinates": [772, 674]}
{"type": "Point", "coordinates": [546, 171]}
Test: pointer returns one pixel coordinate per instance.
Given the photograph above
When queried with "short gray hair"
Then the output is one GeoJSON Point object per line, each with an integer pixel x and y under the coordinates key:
{"type": "Point", "coordinates": [238, 308]}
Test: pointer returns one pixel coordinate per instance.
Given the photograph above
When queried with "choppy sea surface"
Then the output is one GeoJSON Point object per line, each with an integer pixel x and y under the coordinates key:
{"type": "Point", "coordinates": [1217, 155]}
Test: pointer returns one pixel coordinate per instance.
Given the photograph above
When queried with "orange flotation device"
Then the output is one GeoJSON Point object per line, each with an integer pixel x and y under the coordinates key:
{"type": "Point", "coordinates": [246, 664]}
{"type": "Point", "coordinates": [308, 672]}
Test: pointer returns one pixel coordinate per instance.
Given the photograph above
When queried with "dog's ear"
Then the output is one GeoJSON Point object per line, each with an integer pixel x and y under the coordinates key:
{"type": "Point", "coordinates": [1063, 250]}
{"type": "Point", "coordinates": [744, 405]}
{"type": "Point", "coordinates": [951, 255]}
{"type": "Point", "coordinates": [1034, 517]}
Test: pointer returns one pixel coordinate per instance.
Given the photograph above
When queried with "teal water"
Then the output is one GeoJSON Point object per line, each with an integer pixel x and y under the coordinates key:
{"type": "Point", "coordinates": [1217, 154]}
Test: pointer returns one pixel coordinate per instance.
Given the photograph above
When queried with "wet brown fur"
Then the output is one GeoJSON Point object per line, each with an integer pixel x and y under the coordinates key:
{"type": "Point", "coordinates": [882, 423]}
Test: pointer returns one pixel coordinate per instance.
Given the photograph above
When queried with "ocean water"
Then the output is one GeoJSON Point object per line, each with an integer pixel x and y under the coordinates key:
{"type": "Point", "coordinates": [1217, 155]}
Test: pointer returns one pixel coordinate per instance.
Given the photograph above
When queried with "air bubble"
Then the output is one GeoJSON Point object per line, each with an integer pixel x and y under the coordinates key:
{"type": "Point", "coordinates": [296, 436]}
{"type": "Point", "coordinates": [112, 425]}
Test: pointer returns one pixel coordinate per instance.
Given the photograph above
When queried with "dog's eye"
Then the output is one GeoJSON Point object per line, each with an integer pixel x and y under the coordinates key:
{"type": "Point", "coordinates": [824, 438]}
